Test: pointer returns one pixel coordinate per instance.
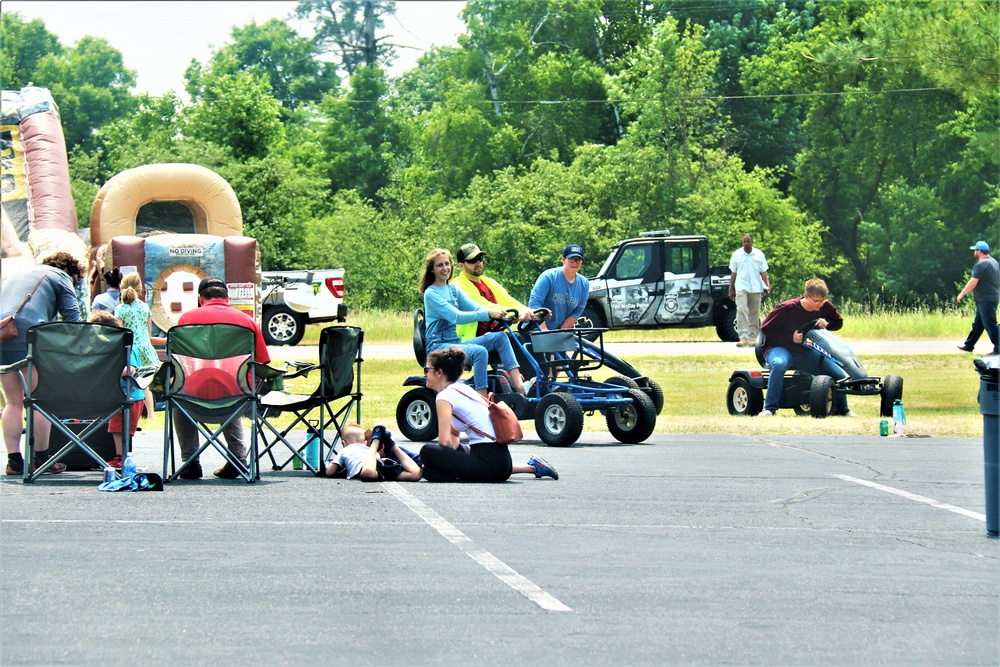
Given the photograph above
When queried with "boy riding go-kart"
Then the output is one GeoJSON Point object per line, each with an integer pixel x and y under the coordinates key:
{"type": "Point", "coordinates": [553, 364]}
{"type": "Point", "coordinates": [812, 394]}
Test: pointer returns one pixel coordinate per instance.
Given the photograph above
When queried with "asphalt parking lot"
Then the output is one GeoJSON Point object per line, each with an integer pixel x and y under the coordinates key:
{"type": "Point", "coordinates": [687, 549]}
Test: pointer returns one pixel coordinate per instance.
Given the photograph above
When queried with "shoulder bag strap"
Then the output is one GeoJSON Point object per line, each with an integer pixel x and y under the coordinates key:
{"type": "Point", "coordinates": [467, 424]}
{"type": "Point", "coordinates": [45, 273]}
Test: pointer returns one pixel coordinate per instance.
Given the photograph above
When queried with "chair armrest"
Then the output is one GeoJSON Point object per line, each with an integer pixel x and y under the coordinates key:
{"type": "Point", "coordinates": [16, 366]}
{"type": "Point", "coordinates": [300, 369]}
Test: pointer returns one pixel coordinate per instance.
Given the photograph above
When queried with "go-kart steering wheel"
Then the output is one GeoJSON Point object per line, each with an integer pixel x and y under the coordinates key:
{"type": "Point", "coordinates": [499, 324]}
{"type": "Point", "coordinates": [808, 326]}
{"type": "Point", "coordinates": [541, 315]}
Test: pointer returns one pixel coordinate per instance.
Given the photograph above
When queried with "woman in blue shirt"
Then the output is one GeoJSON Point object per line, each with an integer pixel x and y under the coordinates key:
{"type": "Point", "coordinates": [446, 306]}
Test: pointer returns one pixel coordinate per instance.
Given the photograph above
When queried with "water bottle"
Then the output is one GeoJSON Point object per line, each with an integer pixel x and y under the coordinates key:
{"type": "Point", "coordinates": [128, 467]}
{"type": "Point", "coordinates": [898, 417]}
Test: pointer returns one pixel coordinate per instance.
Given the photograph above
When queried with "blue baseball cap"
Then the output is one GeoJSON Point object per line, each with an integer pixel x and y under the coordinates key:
{"type": "Point", "coordinates": [982, 246]}
{"type": "Point", "coordinates": [573, 250]}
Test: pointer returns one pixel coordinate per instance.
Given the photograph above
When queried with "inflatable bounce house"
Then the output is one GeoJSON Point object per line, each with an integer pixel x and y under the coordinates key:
{"type": "Point", "coordinates": [39, 218]}
{"type": "Point", "coordinates": [172, 264]}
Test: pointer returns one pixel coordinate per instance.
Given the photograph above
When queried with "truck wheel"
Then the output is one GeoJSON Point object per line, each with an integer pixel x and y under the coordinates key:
{"type": "Point", "coordinates": [633, 423]}
{"type": "Point", "coordinates": [725, 321]}
{"type": "Point", "coordinates": [559, 419]}
{"type": "Point", "coordinates": [416, 415]}
{"type": "Point", "coordinates": [892, 389]}
{"type": "Point", "coordinates": [743, 399]}
{"type": "Point", "coordinates": [592, 318]}
{"type": "Point", "coordinates": [282, 326]}
{"type": "Point", "coordinates": [821, 396]}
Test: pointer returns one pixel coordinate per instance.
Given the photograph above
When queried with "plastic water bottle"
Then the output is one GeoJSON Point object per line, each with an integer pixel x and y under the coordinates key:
{"type": "Point", "coordinates": [898, 418]}
{"type": "Point", "coordinates": [128, 467]}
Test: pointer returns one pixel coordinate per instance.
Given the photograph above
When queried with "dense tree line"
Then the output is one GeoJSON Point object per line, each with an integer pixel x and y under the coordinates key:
{"type": "Point", "coordinates": [856, 139]}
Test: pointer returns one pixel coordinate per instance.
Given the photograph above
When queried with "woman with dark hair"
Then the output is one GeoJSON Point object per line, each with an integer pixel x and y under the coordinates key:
{"type": "Point", "coordinates": [460, 409]}
{"type": "Point", "coordinates": [51, 286]}
{"type": "Point", "coordinates": [446, 306]}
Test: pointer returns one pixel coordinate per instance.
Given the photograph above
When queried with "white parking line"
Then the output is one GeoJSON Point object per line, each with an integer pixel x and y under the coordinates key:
{"type": "Point", "coordinates": [913, 496]}
{"type": "Point", "coordinates": [493, 565]}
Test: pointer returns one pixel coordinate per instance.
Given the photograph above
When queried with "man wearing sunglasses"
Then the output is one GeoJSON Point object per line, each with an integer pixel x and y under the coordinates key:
{"type": "Point", "coordinates": [784, 349]}
{"type": "Point", "coordinates": [486, 292]}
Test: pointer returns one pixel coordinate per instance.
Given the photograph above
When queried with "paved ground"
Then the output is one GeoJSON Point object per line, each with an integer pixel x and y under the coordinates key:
{"type": "Point", "coordinates": [689, 549]}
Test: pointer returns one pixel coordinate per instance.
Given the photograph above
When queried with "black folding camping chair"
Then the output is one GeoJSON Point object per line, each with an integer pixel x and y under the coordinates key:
{"type": "Point", "coordinates": [339, 377]}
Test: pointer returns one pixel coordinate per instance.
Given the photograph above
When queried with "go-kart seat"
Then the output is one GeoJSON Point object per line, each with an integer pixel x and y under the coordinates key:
{"type": "Point", "coordinates": [758, 350]}
{"type": "Point", "coordinates": [420, 344]}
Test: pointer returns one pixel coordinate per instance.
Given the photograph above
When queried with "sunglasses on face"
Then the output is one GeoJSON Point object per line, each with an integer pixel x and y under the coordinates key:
{"type": "Point", "coordinates": [428, 369]}
{"type": "Point", "coordinates": [478, 260]}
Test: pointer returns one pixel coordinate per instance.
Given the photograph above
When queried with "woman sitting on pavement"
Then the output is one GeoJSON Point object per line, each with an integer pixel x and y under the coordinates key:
{"type": "Point", "coordinates": [460, 409]}
{"type": "Point", "coordinates": [445, 306]}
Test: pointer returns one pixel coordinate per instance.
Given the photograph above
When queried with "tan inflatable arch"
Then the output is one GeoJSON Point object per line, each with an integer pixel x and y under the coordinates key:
{"type": "Point", "coordinates": [212, 201]}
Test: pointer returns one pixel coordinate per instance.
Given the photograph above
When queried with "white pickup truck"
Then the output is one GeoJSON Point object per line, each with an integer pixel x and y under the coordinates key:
{"type": "Point", "coordinates": [293, 299]}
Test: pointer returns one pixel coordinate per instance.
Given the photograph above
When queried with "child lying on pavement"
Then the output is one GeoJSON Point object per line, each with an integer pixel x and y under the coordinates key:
{"type": "Point", "coordinates": [359, 458]}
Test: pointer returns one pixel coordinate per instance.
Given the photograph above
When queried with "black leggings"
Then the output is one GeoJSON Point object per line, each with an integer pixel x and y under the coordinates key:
{"type": "Point", "coordinates": [488, 462]}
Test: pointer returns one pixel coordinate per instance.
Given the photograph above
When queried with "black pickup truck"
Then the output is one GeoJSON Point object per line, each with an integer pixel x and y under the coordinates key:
{"type": "Point", "coordinates": [658, 281]}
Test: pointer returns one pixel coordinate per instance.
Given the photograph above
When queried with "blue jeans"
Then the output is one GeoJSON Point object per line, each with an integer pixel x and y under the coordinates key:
{"type": "Point", "coordinates": [985, 320]}
{"type": "Point", "coordinates": [478, 351]}
{"type": "Point", "coordinates": [781, 359]}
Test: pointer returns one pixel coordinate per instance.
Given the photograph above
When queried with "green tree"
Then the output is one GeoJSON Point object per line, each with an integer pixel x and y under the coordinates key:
{"type": "Point", "coordinates": [90, 84]}
{"type": "Point", "coordinates": [361, 137]}
{"type": "Point", "coordinates": [339, 27]}
{"type": "Point", "coordinates": [22, 45]}
{"type": "Point", "coordinates": [274, 51]}
{"type": "Point", "coordinates": [238, 112]}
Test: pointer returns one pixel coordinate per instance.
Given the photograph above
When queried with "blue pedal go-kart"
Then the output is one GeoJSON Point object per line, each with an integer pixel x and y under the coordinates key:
{"type": "Point", "coordinates": [555, 366]}
{"type": "Point", "coordinates": [812, 394]}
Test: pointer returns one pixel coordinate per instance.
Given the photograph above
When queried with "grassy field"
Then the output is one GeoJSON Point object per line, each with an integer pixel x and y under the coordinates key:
{"type": "Point", "coordinates": [385, 327]}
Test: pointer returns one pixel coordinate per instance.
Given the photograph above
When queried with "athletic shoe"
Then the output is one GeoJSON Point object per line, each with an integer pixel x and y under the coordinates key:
{"type": "Point", "coordinates": [765, 413]}
{"type": "Point", "coordinates": [542, 469]}
{"type": "Point", "coordinates": [115, 463]}
{"type": "Point", "coordinates": [742, 342]}
{"type": "Point", "coordinates": [849, 413]}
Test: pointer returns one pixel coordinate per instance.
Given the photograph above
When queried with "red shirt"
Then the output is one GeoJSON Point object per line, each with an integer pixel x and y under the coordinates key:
{"type": "Point", "coordinates": [218, 311]}
{"type": "Point", "coordinates": [487, 293]}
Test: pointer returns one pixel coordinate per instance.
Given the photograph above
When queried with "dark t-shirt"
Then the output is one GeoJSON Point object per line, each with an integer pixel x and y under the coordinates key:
{"type": "Point", "coordinates": [987, 270]}
{"type": "Point", "coordinates": [781, 323]}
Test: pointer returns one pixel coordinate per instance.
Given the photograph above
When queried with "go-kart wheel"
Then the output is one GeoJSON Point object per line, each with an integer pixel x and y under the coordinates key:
{"type": "Point", "coordinates": [416, 415]}
{"type": "Point", "coordinates": [622, 381]}
{"type": "Point", "coordinates": [652, 389]}
{"type": "Point", "coordinates": [801, 410]}
{"type": "Point", "coordinates": [742, 399]}
{"type": "Point", "coordinates": [633, 423]}
{"type": "Point", "coordinates": [892, 390]}
{"type": "Point", "coordinates": [821, 396]}
{"type": "Point", "coordinates": [559, 419]}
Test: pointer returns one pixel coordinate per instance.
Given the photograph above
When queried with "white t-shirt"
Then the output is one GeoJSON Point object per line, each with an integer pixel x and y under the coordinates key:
{"type": "Point", "coordinates": [351, 458]}
{"type": "Point", "coordinates": [468, 407]}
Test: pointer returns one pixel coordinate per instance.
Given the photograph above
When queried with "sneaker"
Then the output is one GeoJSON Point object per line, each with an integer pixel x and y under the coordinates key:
{"type": "Point", "coordinates": [765, 413]}
{"type": "Point", "coordinates": [542, 469]}
{"type": "Point", "coordinates": [116, 463]}
{"type": "Point", "coordinates": [849, 413]}
{"type": "Point", "coordinates": [228, 471]}
{"type": "Point", "coordinates": [193, 471]}
{"type": "Point", "coordinates": [742, 342]}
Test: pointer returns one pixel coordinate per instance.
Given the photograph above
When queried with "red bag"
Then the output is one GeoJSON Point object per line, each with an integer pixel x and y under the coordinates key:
{"type": "Point", "coordinates": [8, 328]}
{"type": "Point", "coordinates": [505, 423]}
